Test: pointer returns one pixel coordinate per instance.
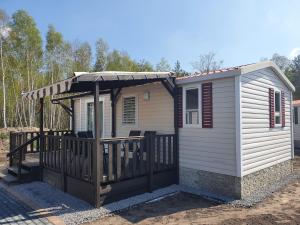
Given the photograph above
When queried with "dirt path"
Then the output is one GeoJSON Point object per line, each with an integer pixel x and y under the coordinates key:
{"type": "Point", "coordinates": [283, 207]}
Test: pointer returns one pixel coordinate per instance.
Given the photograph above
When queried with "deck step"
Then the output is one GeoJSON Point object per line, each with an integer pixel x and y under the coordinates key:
{"type": "Point", "coordinates": [8, 178]}
{"type": "Point", "coordinates": [13, 170]}
{"type": "Point", "coordinates": [30, 165]}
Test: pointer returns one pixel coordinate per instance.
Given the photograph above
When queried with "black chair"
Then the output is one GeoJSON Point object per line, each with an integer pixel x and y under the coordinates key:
{"type": "Point", "coordinates": [147, 133]}
{"type": "Point", "coordinates": [135, 133]}
{"type": "Point", "coordinates": [85, 134]}
{"type": "Point", "coordinates": [89, 134]}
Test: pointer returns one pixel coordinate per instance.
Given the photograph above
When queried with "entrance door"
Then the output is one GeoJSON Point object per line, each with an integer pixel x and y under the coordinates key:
{"type": "Point", "coordinates": [90, 117]}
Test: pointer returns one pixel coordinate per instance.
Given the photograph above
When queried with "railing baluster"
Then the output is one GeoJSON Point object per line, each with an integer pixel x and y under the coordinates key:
{"type": "Point", "coordinates": [110, 162]}
{"type": "Point", "coordinates": [141, 157]}
{"type": "Point", "coordinates": [134, 158]}
{"type": "Point", "coordinates": [90, 148]}
{"type": "Point", "coordinates": [118, 155]}
{"type": "Point", "coordinates": [126, 157]}
{"type": "Point", "coordinates": [164, 152]}
{"type": "Point", "coordinates": [158, 153]}
{"type": "Point", "coordinates": [169, 151]}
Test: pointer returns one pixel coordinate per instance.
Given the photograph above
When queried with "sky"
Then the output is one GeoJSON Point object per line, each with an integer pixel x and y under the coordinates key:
{"type": "Point", "coordinates": [238, 31]}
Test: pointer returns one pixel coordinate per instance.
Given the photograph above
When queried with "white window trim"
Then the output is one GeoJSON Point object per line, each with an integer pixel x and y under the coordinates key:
{"type": "Point", "coordinates": [280, 110]}
{"type": "Point", "coordinates": [188, 87]}
{"type": "Point", "coordinates": [133, 125]}
{"type": "Point", "coordinates": [89, 100]}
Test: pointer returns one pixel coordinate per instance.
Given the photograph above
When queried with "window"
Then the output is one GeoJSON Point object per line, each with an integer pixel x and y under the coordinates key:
{"type": "Point", "coordinates": [90, 116]}
{"type": "Point", "coordinates": [277, 108]}
{"type": "Point", "coordinates": [192, 106]}
{"type": "Point", "coordinates": [129, 110]}
{"type": "Point", "coordinates": [296, 115]}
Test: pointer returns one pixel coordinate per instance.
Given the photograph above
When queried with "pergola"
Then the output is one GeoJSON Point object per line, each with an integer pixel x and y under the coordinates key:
{"type": "Point", "coordinates": [97, 83]}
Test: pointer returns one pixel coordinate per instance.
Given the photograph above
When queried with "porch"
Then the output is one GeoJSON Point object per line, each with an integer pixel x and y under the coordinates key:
{"type": "Point", "coordinates": [97, 170]}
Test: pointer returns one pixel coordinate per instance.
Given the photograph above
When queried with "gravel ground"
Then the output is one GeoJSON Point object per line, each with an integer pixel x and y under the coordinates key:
{"type": "Point", "coordinates": [75, 211]}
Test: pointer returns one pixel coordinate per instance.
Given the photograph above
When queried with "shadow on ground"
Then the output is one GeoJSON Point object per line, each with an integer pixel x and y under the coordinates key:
{"type": "Point", "coordinates": [12, 211]}
{"type": "Point", "coordinates": [167, 206]}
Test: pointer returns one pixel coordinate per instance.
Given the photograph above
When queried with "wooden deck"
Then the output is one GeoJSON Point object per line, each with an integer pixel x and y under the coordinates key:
{"type": "Point", "coordinates": [128, 165]}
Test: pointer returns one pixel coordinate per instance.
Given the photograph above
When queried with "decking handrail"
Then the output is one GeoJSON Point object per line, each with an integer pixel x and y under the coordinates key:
{"type": "Point", "coordinates": [19, 148]}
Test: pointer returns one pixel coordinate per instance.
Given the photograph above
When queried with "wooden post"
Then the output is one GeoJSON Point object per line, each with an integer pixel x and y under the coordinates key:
{"type": "Point", "coordinates": [63, 163]}
{"type": "Point", "coordinates": [73, 117]}
{"type": "Point", "coordinates": [11, 141]}
{"type": "Point", "coordinates": [98, 154]}
{"type": "Point", "coordinates": [41, 135]}
{"type": "Point", "coordinates": [150, 150]}
{"type": "Point", "coordinates": [113, 113]}
{"type": "Point", "coordinates": [176, 137]}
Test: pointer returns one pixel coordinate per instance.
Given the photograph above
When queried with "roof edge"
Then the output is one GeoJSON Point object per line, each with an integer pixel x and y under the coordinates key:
{"type": "Point", "coordinates": [197, 78]}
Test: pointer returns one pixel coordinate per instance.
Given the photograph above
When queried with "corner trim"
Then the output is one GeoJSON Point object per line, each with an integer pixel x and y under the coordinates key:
{"type": "Point", "coordinates": [238, 126]}
{"type": "Point", "coordinates": [292, 125]}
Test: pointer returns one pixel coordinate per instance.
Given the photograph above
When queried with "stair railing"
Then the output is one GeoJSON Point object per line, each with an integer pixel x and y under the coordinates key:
{"type": "Point", "coordinates": [20, 151]}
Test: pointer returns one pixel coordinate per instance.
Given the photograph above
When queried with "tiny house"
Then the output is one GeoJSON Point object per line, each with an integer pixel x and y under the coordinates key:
{"type": "Point", "coordinates": [227, 132]}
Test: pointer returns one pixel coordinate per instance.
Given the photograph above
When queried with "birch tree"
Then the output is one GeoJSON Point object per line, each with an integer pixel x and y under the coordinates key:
{"type": "Point", "coordinates": [4, 32]}
{"type": "Point", "coordinates": [26, 46]}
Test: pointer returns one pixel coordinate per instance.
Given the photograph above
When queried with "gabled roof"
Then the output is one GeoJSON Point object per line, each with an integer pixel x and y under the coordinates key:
{"type": "Point", "coordinates": [236, 71]}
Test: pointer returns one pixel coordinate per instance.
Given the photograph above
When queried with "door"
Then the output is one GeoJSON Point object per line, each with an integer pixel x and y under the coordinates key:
{"type": "Point", "coordinates": [90, 117]}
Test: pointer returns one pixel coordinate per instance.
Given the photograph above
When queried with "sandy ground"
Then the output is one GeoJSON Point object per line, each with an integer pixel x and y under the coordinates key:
{"type": "Point", "coordinates": [283, 207]}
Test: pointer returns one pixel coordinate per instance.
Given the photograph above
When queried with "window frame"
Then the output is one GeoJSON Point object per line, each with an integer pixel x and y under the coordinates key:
{"type": "Point", "coordinates": [296, 115]}
{"type": "Point", "coordinates": [280, 110]}
{"type": "Point", "coordinates": [91, 100]}
{"type": "Point", "coordinates": [135, 124]}
{"type": "Point", "coordinates": [189, 87]}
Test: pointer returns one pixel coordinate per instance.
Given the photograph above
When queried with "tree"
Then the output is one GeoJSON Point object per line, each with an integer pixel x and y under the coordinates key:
{"type": "Point", "coordinates": [101, 55]}
{"type": "Point", "coordinates": [281, 61]}
{"type": "Point", "coordinates": [163, 65]}
{"type": "Point", "coordinates": [82, 56]}
{"type": "Point", "coordinates": [144, 66]}
{"type": "Point", "coordinates": [179, 72]}
{"type": "Point", "coordinates": [207, 62]}
{"type": "Point", "coordinates": [56, 68]}
{"type": "Point", "coordinates": [117, 61]}
{"type": "Point", "coordinates": [4, 32]}
{"type": "Point", "coordinates": [26, 60]}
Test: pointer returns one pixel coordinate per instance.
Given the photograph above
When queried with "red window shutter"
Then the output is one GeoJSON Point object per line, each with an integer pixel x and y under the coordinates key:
{"type": "Point", "coordinates": [271, 107]}
{"type": "Point", "coordinates": [179, 107]}
{"type": "Point", "coordinates": [207, 105]}
{"type": "Point", "coordinates": [282, 109]}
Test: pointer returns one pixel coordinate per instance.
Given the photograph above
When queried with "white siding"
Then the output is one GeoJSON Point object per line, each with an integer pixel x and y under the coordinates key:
{"type": "Point", "coordinates": [81, 113]}
{"type": "Point", "coordinates": [212, 149]}
{"type": "Point", "coordinates": [297, 127]}
{"type": "Point", "coordinates": [155, 114]}
{"type": "Point", "coordinates": [262, 146]}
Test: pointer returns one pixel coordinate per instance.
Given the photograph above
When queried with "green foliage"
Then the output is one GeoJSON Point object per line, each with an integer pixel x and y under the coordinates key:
{"type": "Point", "coordinates": [179, 72]}
{"type": "Point", "coordinates": [4, 135]}
{"type": "Point", "coordinates": [163, 65]}
{"type": "Point", "coordinates": [28, 66]}
{"type": "Point", "coordinates": [82, 56]}
{"type": "Point", "coordinates": [144, 66]}
{"type": "Point", "coordinates": [101, 55]}
{"type": "Point", "coordinates": [120, 61]}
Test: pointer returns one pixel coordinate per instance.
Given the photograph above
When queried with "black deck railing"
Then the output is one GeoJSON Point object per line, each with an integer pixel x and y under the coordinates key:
{"type": "Point", "coordinates": [129, 164]}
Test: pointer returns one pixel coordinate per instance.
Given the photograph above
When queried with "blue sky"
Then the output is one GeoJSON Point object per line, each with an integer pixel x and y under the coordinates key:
{"type": "Point", "coordinates": [238, 31]}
